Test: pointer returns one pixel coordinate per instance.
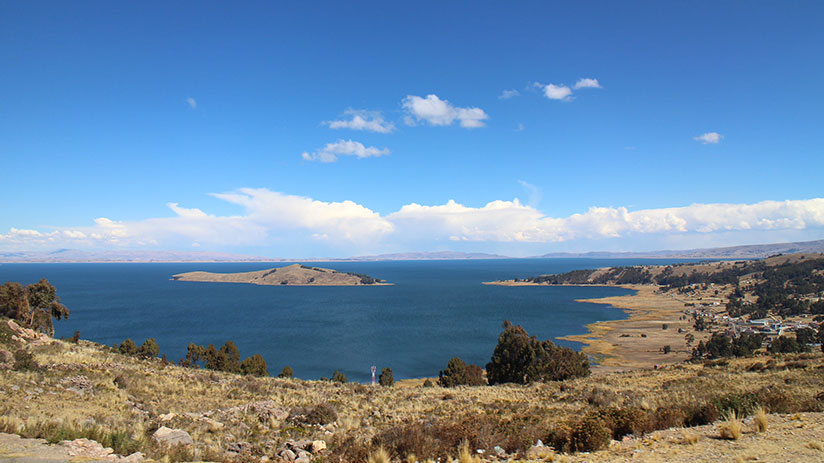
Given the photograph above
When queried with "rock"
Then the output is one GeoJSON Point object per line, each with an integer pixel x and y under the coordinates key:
{"type": "Point", "coordinates": [499, 451]}
{"type": "Point", "coordinates": [212, 425]}
{"type": "Point", "coordinates": [288, 455]}
{"type": "Point", "coordinates": [239, 447]}
{"type": "Point", "coordinates": [166, 417]}
{"type": "Point", "coordinates": [304, 457]}
{"type": "Point", "coordinates": [136, 457]}
{"type": "Point", "coordinates": [318, 446]}
{"type": "Point", "coordinates": [170, 436]}
{"type": "Point", "coordinates": [6, 360]}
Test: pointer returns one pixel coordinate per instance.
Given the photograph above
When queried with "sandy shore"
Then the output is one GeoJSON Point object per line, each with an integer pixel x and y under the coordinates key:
{"type": "Point", "coordinates": [638, 341]}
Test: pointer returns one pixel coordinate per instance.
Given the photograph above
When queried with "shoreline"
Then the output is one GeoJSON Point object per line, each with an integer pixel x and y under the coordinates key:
{"type": "Point", "coordinates": [637, 341]}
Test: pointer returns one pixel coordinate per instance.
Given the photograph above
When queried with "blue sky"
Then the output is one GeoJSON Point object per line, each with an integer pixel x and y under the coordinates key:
{"type": "Point", "coordinates": [210, 126]}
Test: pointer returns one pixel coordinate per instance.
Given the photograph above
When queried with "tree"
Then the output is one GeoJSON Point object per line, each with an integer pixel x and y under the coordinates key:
{"type": "Point", "coordinates": [149, 349]}
{"type": "Point", "coordinates": [34, 306]}
{"type": "Point", "coordinates": [454, 374]}
{"type": "Point", "coordinates": [786, 345]}
{"type": "Point", "coordinates": [386, 378]}
{"type": "Point", "coordinates": [254, 365]}
{"type": "Point", "coordinates": [521, 359]}
{"type": "Point", "coordinates": [286, 372]}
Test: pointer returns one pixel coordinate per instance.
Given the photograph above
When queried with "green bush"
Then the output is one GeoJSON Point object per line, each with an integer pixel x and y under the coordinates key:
{"type": "Point", "coordinates": [286, 372]}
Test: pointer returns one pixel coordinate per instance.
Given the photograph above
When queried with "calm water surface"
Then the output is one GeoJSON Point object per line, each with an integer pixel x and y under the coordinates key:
{"type": "Point", "coordinates": [434, 311]}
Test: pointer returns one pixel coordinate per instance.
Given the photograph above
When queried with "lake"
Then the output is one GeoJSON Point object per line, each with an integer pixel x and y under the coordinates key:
{"type": "Point", "coordinates": [435, 310]}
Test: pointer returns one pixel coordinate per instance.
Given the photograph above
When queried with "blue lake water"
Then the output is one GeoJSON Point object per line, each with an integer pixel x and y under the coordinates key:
{"type": "Point", "coordinates": [434, 311]}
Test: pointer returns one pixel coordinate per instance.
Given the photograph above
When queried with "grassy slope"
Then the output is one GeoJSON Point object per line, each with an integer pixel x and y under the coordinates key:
{"type": "Point", "coordinates": [510, 416]}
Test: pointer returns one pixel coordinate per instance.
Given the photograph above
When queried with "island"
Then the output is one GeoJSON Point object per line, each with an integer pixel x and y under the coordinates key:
{"type": "Point", "coordinates": [292, 275]}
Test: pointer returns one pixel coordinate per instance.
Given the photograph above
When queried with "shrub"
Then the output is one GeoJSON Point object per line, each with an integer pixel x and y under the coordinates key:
{"type": "Point", "coordinates": [128, 347]}
{"type": "Point", "coordinates": [521, 359]}
{"type": "Point", "coordinates": [666, 349]}
{"type": "Point", "coordinates": [286, 372]}
{"type": "Point", "coordinates": [149, 349]}
{"type": "Point", "coordinates": [23, 361]}
{"type": "Point", "coordinates": [32, 306]}
{"type": "Point", "coordinates": [75, 337]}
{"type": "Point", "coordinates": [322, 413]}
{"type": "Point", "coordinates": [428, 383]}
{"type": "Point", "coordinates": [339, 377]}
{"type": "Point", "coordinates": [386, 378]}
{"type": "Point", "coordinates": [474, 375]}
{"type": "Point", "coordinates": [589, 434]}
{"type": "Point", "coordinates": [254, 365]}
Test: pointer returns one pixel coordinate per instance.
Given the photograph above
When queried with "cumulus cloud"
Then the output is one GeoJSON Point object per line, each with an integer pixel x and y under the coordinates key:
{"type": "Point", "coordinates": [709, 138]}
{"type": "Point", "coordinates": [586, 83]}
{"type": "Point", "coordinates": [371, 121]}
{"type": "Point", "coordinates": [267, 215]}
{"type": "Point", "coordinates": [440, 112]}
{"type": "Point", "coordinates": [191, 102]}
{"type": "Point", "coordinates": [331, 151]}
{"type": "Point", "coordinates": [556, 92]}
{"type": "Point", "coordinates": [507, 94]}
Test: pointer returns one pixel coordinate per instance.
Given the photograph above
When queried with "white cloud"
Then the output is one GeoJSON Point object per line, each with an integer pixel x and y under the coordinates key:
{"type": "Point", "coordinates": [440, 112]}
{"type": "Point", "coordinates": [507, 94]}
{"type": "Point", "coordinates": [709, 137]}
{"type": "Point", "coordinates": [371, 121]}
{"type": "Point", "coordinates": [556, 92]}
{"type": "Point", "coordinates": [267, 216]}
{"type": "Point", "coordinates": [586, 83]}
{"type": "Point", "coordinates": [191, 102]}
{"type": "Point", "coordinates": [331, 151]}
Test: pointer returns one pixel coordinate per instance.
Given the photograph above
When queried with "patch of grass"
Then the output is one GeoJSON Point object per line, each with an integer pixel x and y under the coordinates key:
{"type": "Point", "coordinates": [760, 419]}
{"type": "Point", "coordinates": [731, 427]}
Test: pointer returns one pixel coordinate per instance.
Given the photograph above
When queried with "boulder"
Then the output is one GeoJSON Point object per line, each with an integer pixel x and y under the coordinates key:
{"type": "Point", "coordinates": [287, 454]}
{"type": "Point", "coordinates": [318, 446]}
{"type": "Point", "coordinates": [170, 436]}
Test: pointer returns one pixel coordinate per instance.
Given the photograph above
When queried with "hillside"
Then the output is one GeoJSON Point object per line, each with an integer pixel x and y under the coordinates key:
{"type": "Point", "coordinates": [292, 275]}
{"type": "Point", "coordinates": [73, 390]}
{"type": "Point", "coordinates": [753, 251]}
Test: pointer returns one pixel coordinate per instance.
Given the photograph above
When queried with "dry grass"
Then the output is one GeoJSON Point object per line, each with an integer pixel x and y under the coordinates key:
{"type": "Point", "coordinates": [427, 421]}
{"type": "Point", "coordinates": [815, 445]}
{"type": "Point", "coordinates": [379, 456]}
{"type": "Point", "coordinates": [731, 427]}
{"type": "Point", "coordinates": [688, 438]}
{"type": "Point", "coordinates": [760, 419]}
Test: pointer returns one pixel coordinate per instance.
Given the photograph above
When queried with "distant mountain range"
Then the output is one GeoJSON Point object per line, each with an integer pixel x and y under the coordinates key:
{"type": "Point", "coordinates": [755, 251]}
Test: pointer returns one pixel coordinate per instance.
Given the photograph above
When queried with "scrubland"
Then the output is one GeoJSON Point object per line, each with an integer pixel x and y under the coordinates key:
{"type": "Point", "coordinates": [88, 390]}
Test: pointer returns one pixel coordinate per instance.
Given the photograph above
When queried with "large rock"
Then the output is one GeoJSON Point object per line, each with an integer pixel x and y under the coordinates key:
{"type": "Point", "coordinates": [170, 436]}
{"type": "Point", "coordinates": [318, 446]}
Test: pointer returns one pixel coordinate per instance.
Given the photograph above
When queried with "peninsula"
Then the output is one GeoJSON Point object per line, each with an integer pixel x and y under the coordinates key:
{"type": "Point", "coordinates": [292, 275]}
